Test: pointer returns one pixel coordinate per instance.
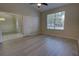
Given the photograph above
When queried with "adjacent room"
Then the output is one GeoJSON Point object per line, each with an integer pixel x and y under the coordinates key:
{"type": "Point", "coordinates": [39, 29]}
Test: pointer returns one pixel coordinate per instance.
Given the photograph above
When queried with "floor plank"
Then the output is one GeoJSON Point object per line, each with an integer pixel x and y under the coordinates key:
{"type": "Point", "coordinates": [41, 45]}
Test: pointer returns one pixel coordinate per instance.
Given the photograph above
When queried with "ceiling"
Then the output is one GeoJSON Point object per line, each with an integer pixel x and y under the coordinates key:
{"type": "Point", "coordinates": [50, 6]}
{"type": "Point", "coordinates": [22, 7]}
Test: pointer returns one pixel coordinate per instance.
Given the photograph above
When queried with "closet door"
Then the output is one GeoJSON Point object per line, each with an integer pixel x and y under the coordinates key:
{"type": "Point", "coordinates": [27, 25]}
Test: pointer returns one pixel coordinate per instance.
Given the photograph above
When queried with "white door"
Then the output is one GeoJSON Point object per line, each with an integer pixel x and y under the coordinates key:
{"type": "Point", "coordinates": [27, 25]}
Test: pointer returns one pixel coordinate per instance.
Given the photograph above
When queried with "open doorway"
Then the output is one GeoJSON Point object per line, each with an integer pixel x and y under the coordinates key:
{"type": "Point", "coordinates": [10, 26]}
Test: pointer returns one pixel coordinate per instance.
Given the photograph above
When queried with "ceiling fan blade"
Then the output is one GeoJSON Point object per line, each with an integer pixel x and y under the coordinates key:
{"type": "Point", "coordinates": [44, 4]}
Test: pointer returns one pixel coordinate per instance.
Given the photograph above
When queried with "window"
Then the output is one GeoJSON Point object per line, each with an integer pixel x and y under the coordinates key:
{"type": "Point", "coordinates": [56, 21]}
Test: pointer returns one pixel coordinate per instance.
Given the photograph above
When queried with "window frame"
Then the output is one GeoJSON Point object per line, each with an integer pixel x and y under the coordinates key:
{"type": "Point", "coordinates": [54, 21]}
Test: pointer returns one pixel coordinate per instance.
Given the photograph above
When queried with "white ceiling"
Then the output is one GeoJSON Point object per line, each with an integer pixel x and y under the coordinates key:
{"type": "Point", "coordinates": [25, 6]}
{"type": "Point", "coordinates": [50, 6]}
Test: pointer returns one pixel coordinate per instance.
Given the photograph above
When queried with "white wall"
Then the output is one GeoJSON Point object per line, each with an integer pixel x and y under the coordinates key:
{"type": "Point", "coordinates": [19, 22]}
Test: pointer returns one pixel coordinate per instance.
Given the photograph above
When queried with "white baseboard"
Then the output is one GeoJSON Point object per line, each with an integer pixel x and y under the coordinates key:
{"type": "Point", "coordinates": [61, 36]}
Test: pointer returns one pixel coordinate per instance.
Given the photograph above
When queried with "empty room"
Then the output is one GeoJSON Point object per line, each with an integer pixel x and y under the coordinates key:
{"type": "Point", "coordinates": [39, 29]}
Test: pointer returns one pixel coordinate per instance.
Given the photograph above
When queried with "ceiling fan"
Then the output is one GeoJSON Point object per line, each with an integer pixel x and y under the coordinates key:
{"type": "Point", "coordinates": [39, 4]}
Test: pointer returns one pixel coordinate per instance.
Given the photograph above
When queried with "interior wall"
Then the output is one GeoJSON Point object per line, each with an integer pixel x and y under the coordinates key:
{"type": "Point", "coordinates": [19, 22]}
{"type": "Point", "coordinates": [71, 24]}
{"type": "Point", "coordinates": [30, 14]}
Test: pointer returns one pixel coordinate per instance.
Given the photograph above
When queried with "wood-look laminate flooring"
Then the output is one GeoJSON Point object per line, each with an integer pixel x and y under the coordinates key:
{"type": "Point", "coordinates": [41, 45]}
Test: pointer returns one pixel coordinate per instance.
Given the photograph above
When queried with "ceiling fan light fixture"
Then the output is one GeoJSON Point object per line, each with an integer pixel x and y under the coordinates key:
{"type": "Point", "coordinates": [38, 4]}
